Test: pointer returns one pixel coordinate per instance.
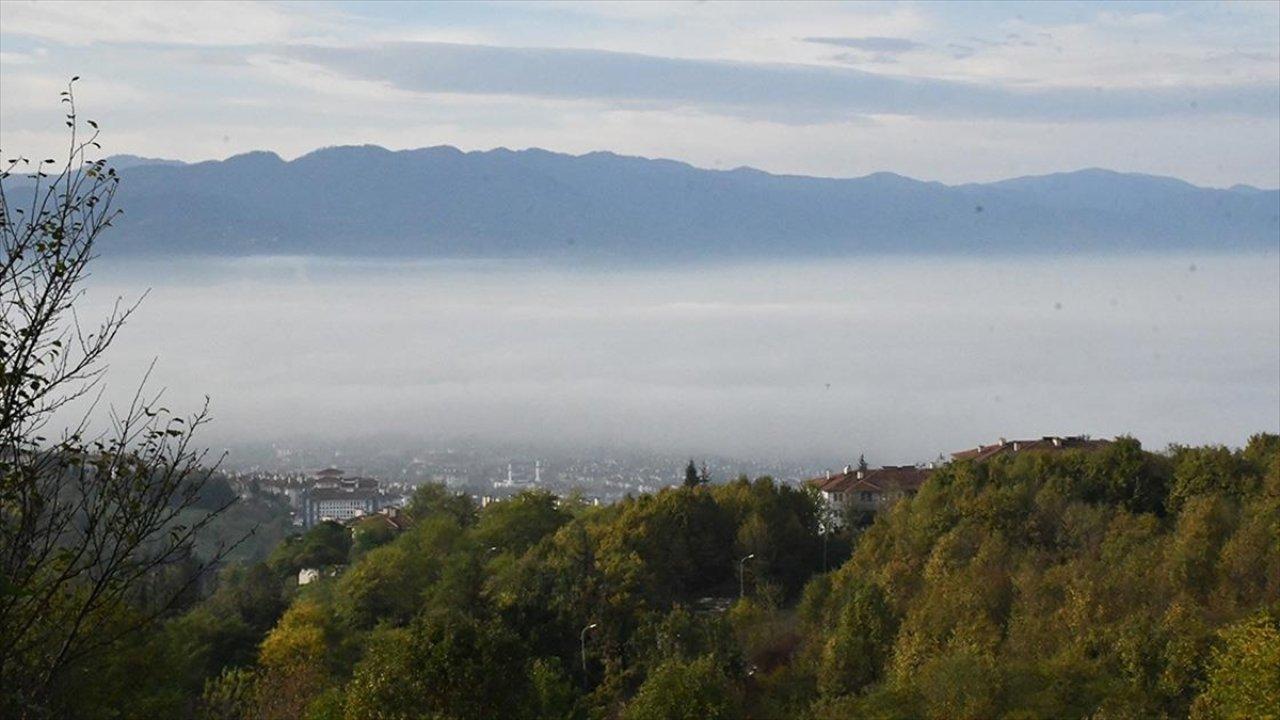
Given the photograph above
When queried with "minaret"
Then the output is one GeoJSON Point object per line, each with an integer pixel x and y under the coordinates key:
{"type": "Point", "coordinates": [537, 472]}
{"type": "Point", "coordinates": [510, 474]}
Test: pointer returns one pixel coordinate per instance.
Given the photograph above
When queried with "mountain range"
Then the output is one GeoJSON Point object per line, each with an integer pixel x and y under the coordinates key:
{"type": "Point", "coordinates": [366, 201]}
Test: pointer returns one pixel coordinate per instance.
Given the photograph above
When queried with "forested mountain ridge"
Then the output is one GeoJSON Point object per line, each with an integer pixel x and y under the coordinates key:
{"type": "Point", "coordinates": [1110, 584]}
{"type": "Point", "coordinates": [367, 201]}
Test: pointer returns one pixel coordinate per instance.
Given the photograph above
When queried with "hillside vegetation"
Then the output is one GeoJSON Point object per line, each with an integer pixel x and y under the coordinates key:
{"type": "Point", "coordinates": [1113, 584]}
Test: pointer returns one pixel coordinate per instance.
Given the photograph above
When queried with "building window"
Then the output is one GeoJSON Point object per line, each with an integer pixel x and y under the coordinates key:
{"type": "Point", "coordinates": [865, 497]}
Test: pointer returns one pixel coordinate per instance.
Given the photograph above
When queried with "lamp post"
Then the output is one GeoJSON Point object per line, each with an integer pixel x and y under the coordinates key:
{"type": "Point", "coordinates": [582, 638]}
{"type": "Point", "coordinates": [742, 587]}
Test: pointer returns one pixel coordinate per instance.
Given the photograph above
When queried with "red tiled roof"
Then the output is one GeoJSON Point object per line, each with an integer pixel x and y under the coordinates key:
{"type": "Point", "coordinates": [395, 522]}
{"type": "Point", "coordinates": [890, 477]}
{"type": "Point", "coordinates": [1044, 444]}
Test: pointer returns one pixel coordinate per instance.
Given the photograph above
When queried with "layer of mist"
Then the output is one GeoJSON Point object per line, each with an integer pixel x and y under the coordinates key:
{"type": "Point", "coordinates": [899, 358]}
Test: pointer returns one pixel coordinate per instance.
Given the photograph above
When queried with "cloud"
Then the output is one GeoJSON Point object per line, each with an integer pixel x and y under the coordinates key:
{"type": "Point", "coordinates": [870, 44]}
{"type": "Point", "coordinates": [777, 91]}
{"type": "Point", "coordinates": [1193, 96]}
{"type": "Point", "coordinates": [224, 23]}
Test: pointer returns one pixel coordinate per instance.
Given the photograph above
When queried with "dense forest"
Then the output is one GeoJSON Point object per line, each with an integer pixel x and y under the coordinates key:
{"type": "Point", "coordinates": [1117, 583]}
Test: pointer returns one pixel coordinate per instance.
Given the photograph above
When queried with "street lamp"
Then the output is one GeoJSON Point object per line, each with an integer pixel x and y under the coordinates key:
{"type": "Point", "coordinates": [583, 639]}
{"type": "Point", "coordinates": [742, 591]}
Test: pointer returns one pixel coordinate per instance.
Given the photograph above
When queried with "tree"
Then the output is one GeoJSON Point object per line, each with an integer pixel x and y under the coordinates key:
{"type": "Point", "coordinates": [89, 515]}
{"type": "Point", "coordinates": [328, 543]}
{"type": "Point", "coordinates": [229, 696]}
{"type": "Point", "coordinates": [519, 522]}
{"type": "Point", "coordinates": [552, 693]}
{"type": "Point", "coordinates": [294, 662]}
{"type": "Point", "coordinates": [433, 499]}
{"type": "Point", "coordinates": [369, 533]}
{"type": "Point", "coordinates": [1245, 678]}
{"type": "Point", "coordinates": [445, 665]}
{"type": "Point", "coordinates": [679, 690]}
{"type": "Point", "coordinates": [691, 476]}
{"type": "Point", "coordinates": [855, 654]}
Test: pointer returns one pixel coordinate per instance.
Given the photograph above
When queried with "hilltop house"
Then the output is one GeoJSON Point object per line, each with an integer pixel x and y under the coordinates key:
{"type": "Point", "coordinates": [1048, 443]}
{"type": "Point", "coordinates": [869, 490]}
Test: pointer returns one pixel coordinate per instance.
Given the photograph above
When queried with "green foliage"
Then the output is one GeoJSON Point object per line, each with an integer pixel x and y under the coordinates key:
{"type": "Point", "coordinates": [854, 655]}
{"type": "Point", "coordinates": [443, 665]}
{"type": "Point", "coordinates": [435, 500]}
{"type": "Point", "coordinates": [1244, 681]}
{"type": "Point", "coordinates": [388, 583]}
{"type": "Point", "coordinates": [231, 695]}
{"type": "Point", "coordinates": [676, 545]}
{"type": "Point", "coordinates": [326, 544]}
{"type": "Point", "coordinates": [779, 524]}
{"type": "Point", "coordinates": [959, 684]}
{"type": "Point", "coordinates": [1060, 585]}
{"type": "Point", "coordinates": [518, 523]}
{"type": "Point", "coordinates": [369, 533]}
{"type": "Point", "coordinates": [684, 690]}
{"type": "Point", "coordinates": [552, 694]}
{"type": "Point", "coordinates": [685, 635]}
{"type": "Point", "coordinates": [1208, 471]}
{"type": "Point", "coordinates": [1122, 474]}
{"type": "Point", "coordinates": [1066, 585]}
{"type": "Point", "coordinates": [691, 477]}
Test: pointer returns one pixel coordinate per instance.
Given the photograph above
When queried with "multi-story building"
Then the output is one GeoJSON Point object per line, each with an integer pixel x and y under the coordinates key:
{"type": "Point", "coordinates": [339, 504]}
{"type": "Point", "coordinates": [870, 490]}
{"type": "Point", "coordinates": [333, 496]}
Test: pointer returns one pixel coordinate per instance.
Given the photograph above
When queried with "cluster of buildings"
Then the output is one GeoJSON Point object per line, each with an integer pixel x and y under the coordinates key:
{"type": "Point", "coordinates": [333, 496]}
{"type": "Point", "coordinates": [330, 494]}
{"type": "Point", "coordinates": [325, 495]}
{"type": "Point", "coordinates": [867, 490]}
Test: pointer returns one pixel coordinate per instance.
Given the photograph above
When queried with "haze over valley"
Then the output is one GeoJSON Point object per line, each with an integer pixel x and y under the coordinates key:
{"type": "Point", "coordinates": [607, 360]}
{"type": "Point", "coordinates": [808, 361]}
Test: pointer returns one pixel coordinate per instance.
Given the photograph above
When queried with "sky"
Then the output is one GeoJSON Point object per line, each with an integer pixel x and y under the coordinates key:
{"type": "Point", "coordinates": [938, 91]}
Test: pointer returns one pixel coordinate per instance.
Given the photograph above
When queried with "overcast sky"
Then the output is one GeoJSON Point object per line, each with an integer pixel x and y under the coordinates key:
{"type": "Point", "coordinates": [938, 91]}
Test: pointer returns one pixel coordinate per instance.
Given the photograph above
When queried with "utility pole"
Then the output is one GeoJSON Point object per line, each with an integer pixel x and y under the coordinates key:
{"type": "Point", "coordinates": [583, 639]}
{"type": "Point", "coordinates": [742, 587]}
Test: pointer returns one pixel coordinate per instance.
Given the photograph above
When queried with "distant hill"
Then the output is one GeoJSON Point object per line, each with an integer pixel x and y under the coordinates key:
{"type": "Point", "coordinates": [442, 202]}
{"type": "Point", "coordinates": [122, 162]}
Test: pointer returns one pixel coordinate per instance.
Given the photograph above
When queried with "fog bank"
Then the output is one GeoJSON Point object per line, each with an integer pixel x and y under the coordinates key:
{"type": "Point", "coordinates": [899, 358]}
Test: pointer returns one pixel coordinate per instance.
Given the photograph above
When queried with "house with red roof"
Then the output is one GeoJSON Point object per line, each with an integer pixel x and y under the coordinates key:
{"type": "Point", "coordinates": [870, 490]}
{"type": "Point", "coordinates": [1048, 443]}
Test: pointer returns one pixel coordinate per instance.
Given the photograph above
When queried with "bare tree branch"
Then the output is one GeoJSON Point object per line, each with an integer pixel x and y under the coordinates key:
{"type": "Point", "coordinates": [86, 522]}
